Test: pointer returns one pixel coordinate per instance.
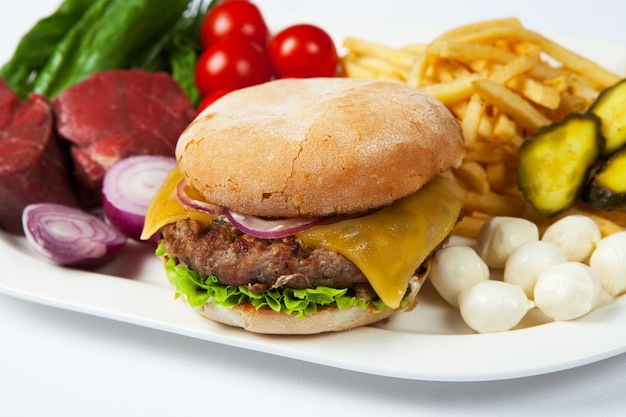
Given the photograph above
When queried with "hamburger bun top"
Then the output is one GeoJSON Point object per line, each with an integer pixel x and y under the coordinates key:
{"type": "Point", "coordinates": [318, 146]}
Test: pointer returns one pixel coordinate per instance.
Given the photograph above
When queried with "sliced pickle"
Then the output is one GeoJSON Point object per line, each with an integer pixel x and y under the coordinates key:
{"type": "Point", "coordinates": [553, 165]}
{"type": "Point", "coordinates": [607, 190]}
{"type": "Point", "coordinates": [610, 107]}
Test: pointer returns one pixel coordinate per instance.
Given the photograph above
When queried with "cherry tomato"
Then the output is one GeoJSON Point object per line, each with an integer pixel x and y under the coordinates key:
{"type": "Point", "coordinates": [231, 64]}
{"type": "Point", "coordinates": [209, 99]}
{"type": "Point", "coordinates": [301, 51]}
{"type": "Point", "coordinates": [234, 19]}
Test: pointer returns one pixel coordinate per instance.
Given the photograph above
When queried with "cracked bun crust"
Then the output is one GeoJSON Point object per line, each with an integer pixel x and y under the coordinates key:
{"type": "Point", "coordinates": [317, 147]}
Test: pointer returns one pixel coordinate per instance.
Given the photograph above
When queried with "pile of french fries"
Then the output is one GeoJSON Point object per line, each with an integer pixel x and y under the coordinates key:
{"type": "Point", "coordinates": [503, 82]}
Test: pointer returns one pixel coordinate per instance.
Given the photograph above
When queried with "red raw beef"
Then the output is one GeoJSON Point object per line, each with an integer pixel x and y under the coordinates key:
{"type": "Point", "coordinates": [33, 166]}
{"type": "Point", "coordinates": [116, 114]}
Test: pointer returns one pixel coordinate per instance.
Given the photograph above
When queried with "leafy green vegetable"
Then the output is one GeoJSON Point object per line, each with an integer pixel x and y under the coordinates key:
{"type": "Point", "coordinates": [108, 36]}
{"type": "Point", "coordinates": [178, 50]}
{"type": "Point", "coordinates": [198, 290]}
{"type": "Point", "coordinates": [36, 46]}
{"type": "Point", "coordinates": [86, 36]}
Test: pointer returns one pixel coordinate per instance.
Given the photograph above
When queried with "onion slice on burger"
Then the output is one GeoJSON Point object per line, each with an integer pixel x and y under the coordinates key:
{"type": "Point", "coordinates": [196, 203]}
{"type": "Point", "coordinates": [270, 229]}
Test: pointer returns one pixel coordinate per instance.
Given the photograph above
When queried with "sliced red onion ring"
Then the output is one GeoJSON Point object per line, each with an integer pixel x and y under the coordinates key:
{"type": "Point", "coordinates": [270, 229]}
{"type": "Point", "coordinates": [69, 236]}
{"type": "Point", "coordinates": [127, 188]}
{"type": "Point", "coordinates": [196, 203]}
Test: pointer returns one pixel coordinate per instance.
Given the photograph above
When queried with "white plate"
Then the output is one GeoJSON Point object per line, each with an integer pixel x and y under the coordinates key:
{"type": "Point", "coordinates": [430, 343]}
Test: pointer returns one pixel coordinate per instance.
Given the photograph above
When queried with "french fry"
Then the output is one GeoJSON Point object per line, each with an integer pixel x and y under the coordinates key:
{"type": "Point", "coordinates": [496, 204]}
{"type": "Point", "coordinates": [487, 153]}
{"type": "Point", "coordinates": [497, 175]}
{"type": "Point", "coordinates": [380, 66]}
{"type": "Point", "coordinates": [539, 93]}
{"type": "Point", "coordinates": [490, 29]}
{"type": "Point", "coordinates": [511, 104]}
{"type": "Point", "coordinates": [468, 52]}
{"type": "Point", "coordinates": [601, 76]}
{"type": "Point", "coordinates": [396, 56]}
{"type": "Point", "coordinates": [452, 91]}
{"type": "Point", "coordinates": [473, 175]}
{"type": "Point", "coordinates": [471, 120]}
{"type": "Point", "coordinates": [515, 67]}
{"type": "Point", "coordinates": [417, 73]}
{"type": "Point", "coordinates": [354, 69]}
{"type": "Point", "coordinates": [469, 226]}
{"type": "Point", "coordinates": [505, 129]}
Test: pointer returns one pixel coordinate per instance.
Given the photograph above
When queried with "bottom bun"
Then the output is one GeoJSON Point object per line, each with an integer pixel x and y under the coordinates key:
{"type": "Point", "coordinates": [268, 321]}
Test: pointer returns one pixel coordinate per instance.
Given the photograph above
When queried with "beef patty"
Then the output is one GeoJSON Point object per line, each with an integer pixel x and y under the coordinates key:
{"type": "Point", "coordinates": [236, 258]}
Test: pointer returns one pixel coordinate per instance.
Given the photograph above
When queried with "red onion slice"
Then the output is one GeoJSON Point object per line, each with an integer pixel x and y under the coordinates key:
{"type": "Point", "coordinates": [196, 203]}
{"type": "Point", "coordinates": [270, 229]}
{"type": "Point", "coordinates": [69, 236]}
{"type": "Point", "coordinates": [127, 188]}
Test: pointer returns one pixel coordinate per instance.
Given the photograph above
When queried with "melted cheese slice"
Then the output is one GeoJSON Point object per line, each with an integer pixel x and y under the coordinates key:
{"type": "Point", "coordinates": [390, 244]}
{"type": "Point", "coordinates": [387, 245]}
{"type": "Point", "coordinates": [166, 208]}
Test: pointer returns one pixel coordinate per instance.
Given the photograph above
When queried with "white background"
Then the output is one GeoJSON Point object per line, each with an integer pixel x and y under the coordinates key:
{"type": "Point", "coordinates": [59, 363]}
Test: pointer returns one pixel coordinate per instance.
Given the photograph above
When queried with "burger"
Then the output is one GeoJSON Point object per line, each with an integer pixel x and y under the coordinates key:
{"type": "Point", "coordinates": [302, 206]}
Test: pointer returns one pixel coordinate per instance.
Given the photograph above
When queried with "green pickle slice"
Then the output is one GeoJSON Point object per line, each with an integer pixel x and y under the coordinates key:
{"type": "Point", "coordinates": [553, 165]}
{"type": "Point", "coordinates": [610, 107]}
{"type": "Point", "coordinates": [607, 190]}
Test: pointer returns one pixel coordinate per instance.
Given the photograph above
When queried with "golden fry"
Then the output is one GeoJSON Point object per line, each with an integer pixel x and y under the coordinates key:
{"type": "Point", "coordinates": [480, 31]}
{"type": "Point", "coordinates": [539, 93]}
{"type": "Point", "coordinates": [497, 175]}
{"type": "Point", "coordinates": [515, 67]}
{"type": "Point", "coordinates": [473, 176]}
{"type": "Point", "coordinates": [469, 52]}
{"type": "Point", "coordinates": [601, 76]}
{"type": "Point", "coordinates": [471, 120]}
{"type": "Point", "coordinates": [452, 91]}
{"type": "Point", "coordinates": [511, 104]}
{"type": "Point", "coordinates": [417, 73]}
{"type": "Point", "coordinates": [505, 129]}
{"type": "Point", "coordinates": [400, 57]}
{"type": "Point", "coordinates": [380, 66]}
{"type": "Point", "coordinates": [353, 69]}
{"type": "Point", "coordinates": [469, 227]}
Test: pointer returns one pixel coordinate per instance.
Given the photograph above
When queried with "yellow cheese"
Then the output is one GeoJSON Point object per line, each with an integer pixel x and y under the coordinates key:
{"type": "Point", "coordinates": [166, 208]}
{"type": "Point", "coordinates": [390, 244]}
{"type": "Point", "coordinates": [387, 245]}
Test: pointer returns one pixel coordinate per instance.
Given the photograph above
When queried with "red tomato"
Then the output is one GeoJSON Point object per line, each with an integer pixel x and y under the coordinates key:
{"type": "Point", "coordinates": [231, 64]}
{"type": "Point", "coordinates": [208, 100]}
{"type": "Point", "coordinates": [301, 51]}
{"type": "Point", "coordinates": [234, 19]}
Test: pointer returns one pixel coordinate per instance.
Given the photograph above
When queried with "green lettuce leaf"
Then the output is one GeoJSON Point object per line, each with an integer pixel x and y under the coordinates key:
{"type": "Point", "coordinates": [199, 289]}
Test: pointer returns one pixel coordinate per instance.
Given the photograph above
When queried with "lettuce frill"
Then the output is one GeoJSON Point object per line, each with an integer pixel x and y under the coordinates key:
{"type": "Point", "coordinates": [199, 290]}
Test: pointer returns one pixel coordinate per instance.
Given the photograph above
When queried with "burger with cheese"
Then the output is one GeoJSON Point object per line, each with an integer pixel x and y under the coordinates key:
{"type": "Point", "coordinates": [308, 205]}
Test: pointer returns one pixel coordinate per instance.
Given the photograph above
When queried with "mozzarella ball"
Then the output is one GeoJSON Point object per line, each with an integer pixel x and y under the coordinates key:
{"type": "Point", "coordinates": [567, 291]}
{"type": "Point", "coordinates": [501, 235]}
{"type": "Point", "coordinates": [526, 261]}
{"type": "Point", "coordinates": [608, 262]}
{"type": "Point", "coordinates": [575, 235]}
{"type": "Point", "coordinates": [493, 306]}
{"type": "Point", "coordinates": [455, 268]}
